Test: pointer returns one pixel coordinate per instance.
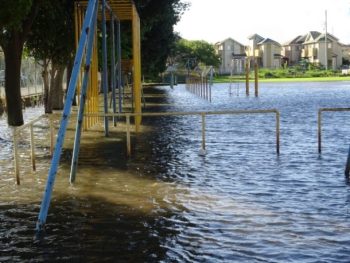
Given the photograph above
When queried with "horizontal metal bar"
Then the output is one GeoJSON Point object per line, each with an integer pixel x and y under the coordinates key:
{"type": "Point", "coordinates": [334, 109]}
{"type": "Point", "coordinates": [233, 112]}
{"type": "Point", "coordinates": [319, 123]}
{"type": "Point", "coordinates": [28, 124]}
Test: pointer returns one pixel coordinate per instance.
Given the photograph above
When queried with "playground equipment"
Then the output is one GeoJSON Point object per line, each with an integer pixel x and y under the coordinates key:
{"type": "Point", "coordinates": [84, 79]}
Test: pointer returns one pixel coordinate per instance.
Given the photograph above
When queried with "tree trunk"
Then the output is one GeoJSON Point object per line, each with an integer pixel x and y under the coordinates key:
{"type": "Point", "coordinates": [57, 89]}
{"type": "Point", "coordinates": [69, 73]}
{"type": "Point", "coordinates": [13, 53]}
{"type": "Point", "coordinates": [45, 75]}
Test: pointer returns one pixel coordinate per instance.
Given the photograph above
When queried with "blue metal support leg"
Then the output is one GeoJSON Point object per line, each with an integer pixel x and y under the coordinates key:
{"type": "Point", "coordinates": [82, 100]}
{"type": "Point", "coordinates": [105, 68]}
{"type": "Point", "coordinates": [88, 21]}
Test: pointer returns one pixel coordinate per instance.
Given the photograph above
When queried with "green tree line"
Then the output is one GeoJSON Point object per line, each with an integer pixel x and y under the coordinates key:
{"type": "Point", "coordinates": [45, 29]}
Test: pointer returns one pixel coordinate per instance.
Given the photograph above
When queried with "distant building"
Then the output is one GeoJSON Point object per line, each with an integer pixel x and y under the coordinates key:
{"type": "Point", "coordinates": [346, 53]}
{"type": "Point", "coordinates": [265, 51]}
{"type": "Point", "coordinates": [232, 55]}
{"type": "Point", "coordinates": [312, 47]}
{"type": "Point", "coordinates": [291, 51]}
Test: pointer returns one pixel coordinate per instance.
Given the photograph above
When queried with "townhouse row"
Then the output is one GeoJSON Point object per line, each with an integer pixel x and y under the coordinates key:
{"type": "Point", "coordinates": [271, 54]}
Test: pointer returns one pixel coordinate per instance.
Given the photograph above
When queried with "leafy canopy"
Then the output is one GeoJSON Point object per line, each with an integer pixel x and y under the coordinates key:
{"type": "Point", "coordinates": [191, 53]}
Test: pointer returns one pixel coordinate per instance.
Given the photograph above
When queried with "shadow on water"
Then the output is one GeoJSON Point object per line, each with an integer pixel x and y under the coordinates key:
{"type": "Point", "coordinates": [239, 203]}
{"type": "Point", "coordinates": [83, 230]}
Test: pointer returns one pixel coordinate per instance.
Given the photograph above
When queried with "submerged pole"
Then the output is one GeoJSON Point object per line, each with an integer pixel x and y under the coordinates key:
{"type": "Point", "coordinates": [247, 78]}
{"type": "Point", "coordinates": [104, 65]}
{"type": "Point", "coordinates": [119, 69]}
{"type": "Point", "coordinates": [256, 76]}
{"type": "Point", "coordinates": [113, 78]}
{"type": "Point", "coordinates": [44, 208]}
{"type": "Point", "coordinates": [203, 133]}
{"type": "Point", "coordinates": [319, 131]}
{"type": "Point", "coordinates": [15, 157]}
{"type": "Point", "coordinates": [79, 124]}
{"type": "Point", "coordinates": [347, 167]}
{"type": "Point", "coordinates": [32, 147]}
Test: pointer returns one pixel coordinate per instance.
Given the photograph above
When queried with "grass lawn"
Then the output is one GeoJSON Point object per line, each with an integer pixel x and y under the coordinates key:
{"type": "Point", "coordinates": [228, 79]}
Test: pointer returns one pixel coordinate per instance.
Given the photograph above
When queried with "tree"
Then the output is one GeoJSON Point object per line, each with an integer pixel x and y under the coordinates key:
{"type": "Point", "coordinates": [51, 41]}
{"type": "Point", "coordinates": [16, 19]}
{"type": "Point", "coordinates": [190, 54]}
{"type": "Point", "coordinates": [157, 33]}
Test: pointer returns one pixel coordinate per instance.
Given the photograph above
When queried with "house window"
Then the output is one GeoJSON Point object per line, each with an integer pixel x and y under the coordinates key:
{"type": "Point", "coordinates": [329, 45]}
{"type": "Point", "coordinates": [228, 47]}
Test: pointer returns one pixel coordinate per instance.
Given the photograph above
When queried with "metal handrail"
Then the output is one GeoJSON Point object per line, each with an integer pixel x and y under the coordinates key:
{"type": "Point", "coordinates": [16, 132]}
{"type": "Point", "coordinates": [319, 122]}
{"type": "Point", "coordinates": [203, 114]}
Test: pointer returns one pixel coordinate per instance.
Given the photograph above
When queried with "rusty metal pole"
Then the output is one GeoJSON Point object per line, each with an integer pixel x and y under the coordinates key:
{"type": "Point", "coordinates": [256, 75]}
{"type": "Point", "coordinates": [247, 78]}
{"type": "Point", "coordinates": [319, 131]}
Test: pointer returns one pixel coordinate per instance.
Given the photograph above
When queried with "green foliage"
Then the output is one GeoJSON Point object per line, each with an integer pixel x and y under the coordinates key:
{"type": "Point", "coordinates": [52, 34]}
{"type": "Point", "coordinates": [201, 52]}
{"type": "Point", "coordinates": [157, 33]}
{"type": "Point", "coordinates": [12, 14]}
{"type": "Point", "coordinates": [295, 72]}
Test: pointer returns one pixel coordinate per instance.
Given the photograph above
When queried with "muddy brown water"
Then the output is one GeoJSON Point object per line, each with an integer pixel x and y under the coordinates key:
{"type": "Point", "coordinates": [167, 203]}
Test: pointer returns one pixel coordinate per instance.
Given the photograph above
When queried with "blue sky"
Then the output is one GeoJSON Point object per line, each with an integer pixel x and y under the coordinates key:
{"type": "Point", "coordinates": [280, 20]}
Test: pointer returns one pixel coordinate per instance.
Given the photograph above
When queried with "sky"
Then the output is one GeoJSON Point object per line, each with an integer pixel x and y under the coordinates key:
{"type": "Point", "coordinates": [280, 20]}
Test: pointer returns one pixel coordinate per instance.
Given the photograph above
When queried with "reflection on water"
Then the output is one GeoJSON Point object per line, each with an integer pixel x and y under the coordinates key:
{"type": "Point", "coordinates": [239, 203]}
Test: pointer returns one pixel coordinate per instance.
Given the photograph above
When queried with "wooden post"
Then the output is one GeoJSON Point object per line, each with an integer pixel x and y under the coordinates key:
{"type": "Point", "coordinates": [51, 135]}
{"type": "Point", "coordinates": [15, 151]}
{"type": "Point", "coordinates": [128, 140]}
{"type": "Point", "coordinates": [203, 131]}
{"type": "Point", "coordinates": [247, 78]}
{"type": "Point", "coordinates": [277, 132]}
{"type": "Point", "coordinates": [319, 131]}
{"type": "Point", "coordinates": [256, 75]}
{"type": "Point", "coordinates": [347, 168]}
{"type": "Point", "coordinates": [32, 148]}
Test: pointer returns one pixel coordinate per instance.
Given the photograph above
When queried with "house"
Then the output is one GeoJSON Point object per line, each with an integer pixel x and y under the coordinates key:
{"type": "Point", "coordinates": [232, 55]}
{"type": "Point", "coordinates": [346, 53]}
{"type": "Point", "coordinates": [314, 49]}
{"type": "Point", "coordinates": [265, 51]}
{"type": "Point", "coordinates": [291, 50]}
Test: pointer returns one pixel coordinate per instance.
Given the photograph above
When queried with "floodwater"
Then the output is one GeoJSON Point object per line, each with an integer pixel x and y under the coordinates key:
{"type": "Point", "coordinates": [241, 202]}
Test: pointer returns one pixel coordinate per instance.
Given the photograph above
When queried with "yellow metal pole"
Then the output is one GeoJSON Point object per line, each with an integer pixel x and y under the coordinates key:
{"type": "Point", "coordinates": [136, 48]}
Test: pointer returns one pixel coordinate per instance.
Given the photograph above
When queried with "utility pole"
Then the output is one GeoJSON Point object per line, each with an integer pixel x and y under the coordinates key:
{"type": "Point", "coordinates": [326, 44]}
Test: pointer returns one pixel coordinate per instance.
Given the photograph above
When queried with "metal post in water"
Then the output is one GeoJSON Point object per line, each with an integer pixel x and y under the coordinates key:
{"type": "Point", "coordinates": [172, 80]}
{"type": "Point", "coordinates": [104, 64]}
{"type": "Point", "coordinates": [113, 78]}
{"type": "Point", "coordinates": [347, 167]}
{"type": "Point", "coordinates": [51, 135]}
{"type": "Point", "coordinates": [15, 156]}
{"type": "Point", "coordinates": [32, 148]}
{"type": "Point", "coordinates": [119, 68]}
{"type": "Point", "coordinates": [203, 150]}
{"type": "Point", "coordinates": [128, 140]}
{"type": "Point", "coordinates": [247, 78]}
{"type": "Point", "coordinates": [44, 208]}
{"type": "Point", "coordinates": [319, 131]}
{"type": "Point", "coordinates": [256, 75]}
{"type": "Point", "coordinates": [82, 100]}
{"type": "Point", "coordinates": [277, 132]}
